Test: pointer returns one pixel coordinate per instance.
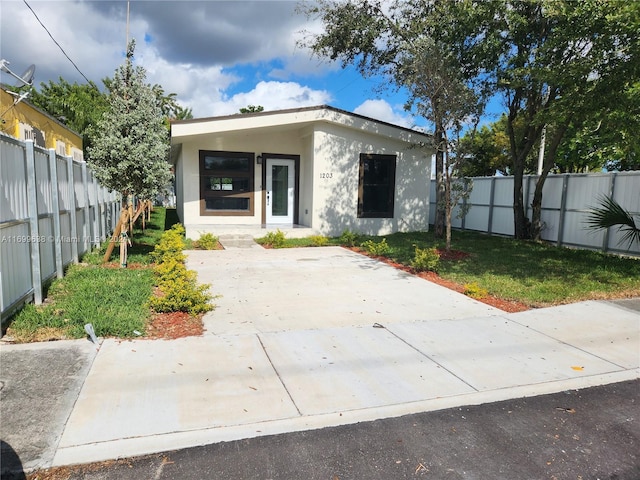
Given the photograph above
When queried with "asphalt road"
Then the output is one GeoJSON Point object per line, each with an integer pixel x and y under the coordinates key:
{"type": "Point", "coordinates": [585, 434]}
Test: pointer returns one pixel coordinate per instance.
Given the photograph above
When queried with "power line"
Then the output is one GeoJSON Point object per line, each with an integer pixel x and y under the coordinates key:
{"type": "Point", "coordinates": [54, 41]}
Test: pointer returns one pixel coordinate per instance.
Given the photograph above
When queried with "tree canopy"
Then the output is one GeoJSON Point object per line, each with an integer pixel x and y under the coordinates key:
{"type": "Point", "coordinates": [252, 109]}
{"type": "Point", "coordinates": [556, 64]}
{"type": "Point", "coordinates": [130, 147]}
{"type": "Point", "coordinates": [409, 44]}
{"type": "Point", "coordinates": [81, 106]}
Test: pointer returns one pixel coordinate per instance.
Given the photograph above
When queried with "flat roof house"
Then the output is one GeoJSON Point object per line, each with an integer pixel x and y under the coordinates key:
{"type": "Point", "coordinates": [317, 167]}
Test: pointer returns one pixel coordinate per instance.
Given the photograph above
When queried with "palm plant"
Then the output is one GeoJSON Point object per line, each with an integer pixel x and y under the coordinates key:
{"type": "Point", "coordinates": [611, 214]}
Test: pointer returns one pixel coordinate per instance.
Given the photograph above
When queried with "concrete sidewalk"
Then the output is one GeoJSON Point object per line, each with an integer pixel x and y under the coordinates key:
{"type": "Point", "coordinates": [316, 337]}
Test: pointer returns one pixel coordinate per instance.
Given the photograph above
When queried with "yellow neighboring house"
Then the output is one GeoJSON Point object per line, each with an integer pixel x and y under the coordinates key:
{"type": "Point", "coordinates": [24, 121]}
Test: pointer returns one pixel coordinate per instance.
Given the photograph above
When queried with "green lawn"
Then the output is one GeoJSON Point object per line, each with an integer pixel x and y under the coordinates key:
{"type": "Point", "coordinates": [111, 298]}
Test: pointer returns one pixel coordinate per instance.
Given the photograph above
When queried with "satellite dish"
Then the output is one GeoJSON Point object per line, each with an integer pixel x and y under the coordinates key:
{"type": "Point", "coordinates": [25, 79]}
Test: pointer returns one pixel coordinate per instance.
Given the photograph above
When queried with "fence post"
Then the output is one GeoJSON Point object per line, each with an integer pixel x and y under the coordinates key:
{"type": "Point", "coordinates": [612, 190]}
{"type": "Point", "coordinates": [527, 187]}
{"type": "Point", "coordinates": [57, 233]}
{"type": "Point", "coordinates": [72, 210]}
{"type": "Point", "coordinates": [86, 227]}
{"type": "Point", "coordinates": [97, 231]}
{"type": "Point", "coordinates": [563, 208]}
{"type": "Point", "coordinates": [492, 193]}
{"type": "Point", "coordinates": [32, 208]}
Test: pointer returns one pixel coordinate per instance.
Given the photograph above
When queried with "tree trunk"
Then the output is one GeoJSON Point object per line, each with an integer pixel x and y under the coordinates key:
{"type": "Point", "coordinates": [448, 212]}
{"type": "Point", "coordinates": [520, 220]}
{"type": "Point", "coordinates": [518, 153]}
{"type": "Point", "coordinates": [439, 225]}
{"type": "Point", "coordinates": [536, 205]}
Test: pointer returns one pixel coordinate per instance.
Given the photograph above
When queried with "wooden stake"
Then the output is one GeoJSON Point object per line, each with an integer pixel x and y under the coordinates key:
{"type": "Point", "coordinates": [116, 234]}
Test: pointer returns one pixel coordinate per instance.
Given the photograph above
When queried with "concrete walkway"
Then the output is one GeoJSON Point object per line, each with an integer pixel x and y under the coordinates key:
{"type": "Point", "coordinates": [314, 337]}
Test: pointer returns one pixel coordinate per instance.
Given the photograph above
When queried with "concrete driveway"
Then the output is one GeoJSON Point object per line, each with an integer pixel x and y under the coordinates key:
{"type": "Point", "coordinates": [315, 337]}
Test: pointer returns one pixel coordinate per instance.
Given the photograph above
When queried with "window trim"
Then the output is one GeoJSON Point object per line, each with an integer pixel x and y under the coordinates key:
{"type": "Point", "coordinates": [249, 175]}
{"type": "Point", "coordinates": [389, 213]}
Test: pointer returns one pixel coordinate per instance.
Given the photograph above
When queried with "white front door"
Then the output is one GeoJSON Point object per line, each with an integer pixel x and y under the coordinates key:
{"type": "Point", "coordinates": [281, 183]}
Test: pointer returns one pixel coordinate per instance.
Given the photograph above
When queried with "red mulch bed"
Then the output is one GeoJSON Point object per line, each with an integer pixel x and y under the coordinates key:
{"type": "Point", "coordinates": [169, 326]}
{"type": "Point", "coordinates": [453, 255]}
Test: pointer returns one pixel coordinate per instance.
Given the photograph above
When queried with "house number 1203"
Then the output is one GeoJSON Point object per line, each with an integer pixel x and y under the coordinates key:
{"type": "Point", "coordinates": [326, 175]}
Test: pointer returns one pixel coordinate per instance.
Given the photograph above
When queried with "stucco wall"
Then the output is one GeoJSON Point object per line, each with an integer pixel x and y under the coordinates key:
{"type": "Point", "coordinates": [292, 142]}
{"type": "Point", "coordinates": [335, 177]}
{"type": "Point", "coordinates": [329, 143]}
{"type": "Point", "coordinates": [27, 114]}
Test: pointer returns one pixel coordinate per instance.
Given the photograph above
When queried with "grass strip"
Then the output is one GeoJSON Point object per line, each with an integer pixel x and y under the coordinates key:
{"type": "Point", "coordinates": [113, 299]}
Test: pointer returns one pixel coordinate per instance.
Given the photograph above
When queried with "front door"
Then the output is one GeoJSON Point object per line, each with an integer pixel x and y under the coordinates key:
{"type": "Point", "coordinates": [280, 197]}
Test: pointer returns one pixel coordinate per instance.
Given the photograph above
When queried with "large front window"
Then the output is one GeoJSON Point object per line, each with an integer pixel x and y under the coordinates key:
{"type": "Point", "coordinates": [226, 183]}
{"type": "Point", "coordinates": [376, 185]}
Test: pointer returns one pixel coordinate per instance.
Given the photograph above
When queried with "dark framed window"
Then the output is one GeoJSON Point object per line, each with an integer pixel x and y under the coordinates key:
{"type": "Point", "coordinates": [376, 185]}
{"type": "Point", "coordinates": [226, 183]}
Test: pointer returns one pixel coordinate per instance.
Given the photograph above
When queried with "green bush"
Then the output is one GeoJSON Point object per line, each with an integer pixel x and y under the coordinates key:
{"type": "Point", "coordinates": [274, 239]}
{"type": "Point", "coordinates": [349, 238]}
{"type": "Point", "coordinates": [425, 259]}
{"type": "Point", "coordinates": [319, 240]}
{"type": "Point", "coordinates": [170, 246]}
{"type": "Point", "coordinates": [182, 295]}
{"type": "Point", "coordinates": [474, 290]}
{"type": "Point", "coordinates": [178, 287]}
{"type": "Point", "coordinates": [379, 249]}
{"type": "Point", "coordinates": [207, 241]}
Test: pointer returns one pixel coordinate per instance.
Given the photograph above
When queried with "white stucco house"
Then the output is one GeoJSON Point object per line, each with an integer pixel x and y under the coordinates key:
{"type": "Point", "coordinates": [317, 167]}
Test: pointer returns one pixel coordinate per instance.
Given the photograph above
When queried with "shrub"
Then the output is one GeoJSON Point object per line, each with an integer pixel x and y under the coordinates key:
{"type": "Point", "coordinates": [318, 240]}
{"type": "Point", "coordinates": [171, 245]}
{"type": "Point", "coordinates": [425, 259]}
{"type": "Point", "coordinates": [349, 238]}
{"type": "Point", "coordinates": [274, 239]}
{"type": "Point", "coordinates": [178, 287]}
{"type": "Point", "coordinates": [474, 290]}
{"type": "Point", "coordinates": [182, 295]}
{"type": "Point", "coordinates": [207, 241]}
{"type": "Point", "coordinates": [379, 249]}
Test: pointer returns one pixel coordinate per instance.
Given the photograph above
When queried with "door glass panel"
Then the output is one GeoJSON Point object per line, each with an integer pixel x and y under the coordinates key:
{"type": "Point", "coordinates": [280, 189]}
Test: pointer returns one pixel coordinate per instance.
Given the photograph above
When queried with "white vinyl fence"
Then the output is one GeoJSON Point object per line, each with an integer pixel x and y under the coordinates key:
{"type": "Point", "coordinates": [52, 210]}
{"type": "Point", "coordinates": [566, 201]}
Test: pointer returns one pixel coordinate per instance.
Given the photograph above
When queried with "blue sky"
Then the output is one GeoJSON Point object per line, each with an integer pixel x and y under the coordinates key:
{"type": "Point", "coordinates": [217, 56]}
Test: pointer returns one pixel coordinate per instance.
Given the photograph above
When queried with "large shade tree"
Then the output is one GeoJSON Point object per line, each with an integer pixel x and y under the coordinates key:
{"type": "Point", "coordinates": [410, 44]}
{"type": "Point", "coordinates": [554, 63]}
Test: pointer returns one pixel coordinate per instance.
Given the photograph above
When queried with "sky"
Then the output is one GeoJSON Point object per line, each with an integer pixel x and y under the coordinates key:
{"type": "Point", "coordinates": [216, 56]}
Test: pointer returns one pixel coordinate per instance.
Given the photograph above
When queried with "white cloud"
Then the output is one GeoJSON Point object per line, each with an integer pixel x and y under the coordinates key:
{"type": "Point", "coordinates": [217, 57]}
{"type": "Point", "coordinates": [382, 110]}
{"type": "Point", "coordinates": [273, 96]}
{"type": "Point", "coordinates": [200, 88]}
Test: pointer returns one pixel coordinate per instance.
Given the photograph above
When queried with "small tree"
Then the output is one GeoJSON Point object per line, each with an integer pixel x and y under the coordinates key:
{"type": "Point", "coordinates": [410, 44]}
{"type": "Point", "coordinates": [252, 109]}
{"type": "Point", "coordinates": [131, 142]}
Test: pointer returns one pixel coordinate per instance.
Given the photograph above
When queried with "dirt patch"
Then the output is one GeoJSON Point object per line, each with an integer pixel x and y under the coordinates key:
{"type": "Point", "coordinates": [169, 326]}
{"type": "Point", "coordinates": [453, 255]}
